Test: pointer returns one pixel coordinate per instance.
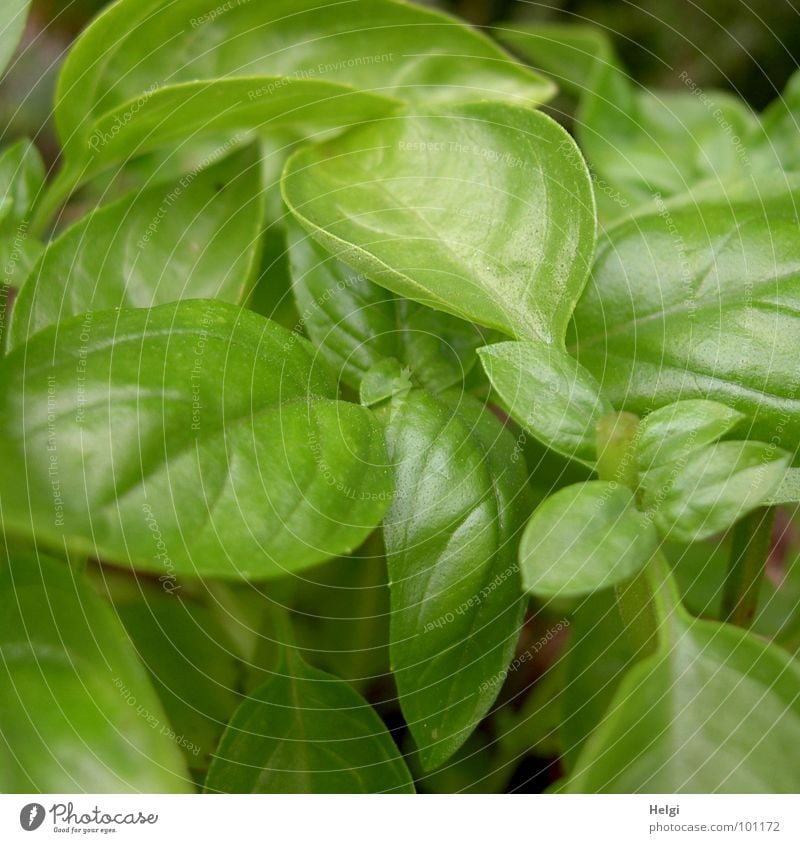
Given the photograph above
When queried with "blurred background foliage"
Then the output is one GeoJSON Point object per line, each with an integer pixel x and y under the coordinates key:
{"type": "Point", "coordinates": [750, 47]}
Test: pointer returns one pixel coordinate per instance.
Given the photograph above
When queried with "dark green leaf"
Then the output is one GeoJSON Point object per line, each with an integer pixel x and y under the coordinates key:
{"type": "Point", "coordinates": [305, 731]}
{"type": "Point", "coordinates": [195, 238]}
{"type": "Point", "coordinates": [584, 538]}
{"type": "Point", "coordinates": [484, 211]}
{"type": "Point", "coordinates": [451, 537]}
{"type": "Point", "coordinates": [190, 439]}
{"type": "Point", "coordinates": [78, 712]}
{"type": "Point", "coordinates": [549, 393]}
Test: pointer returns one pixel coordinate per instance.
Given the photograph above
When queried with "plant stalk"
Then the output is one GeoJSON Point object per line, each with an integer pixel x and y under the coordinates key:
{"type": "Point", "coordinates": [748, 561]}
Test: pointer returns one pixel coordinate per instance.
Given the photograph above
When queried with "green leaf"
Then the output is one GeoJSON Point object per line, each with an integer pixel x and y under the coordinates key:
{"type": "Point", "coordinates": [21, 179]}
{"type": "Point", "coordinates": [639, 142]}
{"type": "Point", "coordinates": [191, 439]}
{"type": "Point", "coordinates": [13, 15]}
{"type": "Point", "coordinates": [789, 489]}
{"type": "Point", "coordinates": [356, 324]}
{"type": "Point", "coordinates": [711, 712]}
{"type": "Point", "coordinates": [451, 537]}
{"type": "Point", "coordinates": [584, 538]}
{"type": "Point", "coordinates": [598, 656]}
{"type": "Point", "coordinates": [549, 394]}
{"type": "Point", "coordinates": [79, 714]}
{"type": "Point", "coordinates": [699, 298]}
{"type": "Point", "coordinates": [189, 658]}
{"type": "Point", "coordinates": [776, 142]}
{"type": "Point", "coordinates": [719, 484]}
{"type": "Point", "coordinates": [305, 731]}
{"type": "Point", "coordinates": [195, 238]}
{"type": "Point", "coordinates": [136, 46]}
{"type": "Point", "coordinates": [287, 64]}
{"type": "Point", "coordinates": [670, 434]}
{"type": "Point", "coordinates": [484, 211]}
{"type": "Point", "coordinates": [384, 380]}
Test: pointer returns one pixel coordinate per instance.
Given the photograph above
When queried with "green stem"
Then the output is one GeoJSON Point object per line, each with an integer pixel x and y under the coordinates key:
{"type": "Point", "coordinates": [638, 611]}
{"type": "Point", "coordinates": [54, 196]}
{"type": "Point", "coordinates": [748, 561]}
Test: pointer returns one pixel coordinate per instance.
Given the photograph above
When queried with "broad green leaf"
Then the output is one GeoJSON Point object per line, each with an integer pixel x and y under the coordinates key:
{"type": "Point", "coordinates": [713, 489]}
{"type": "Point", "coordinates": [137, 46]}
{"type": "Point", "coordinates": [699, 298]}
{"type": "Point", "coordinates": [598, 656]}
{"type": "Point", "coordinates": [356, 324]}
{"type": "Point", "coordinates": [584, 538]}
{"type": "Point", "coordinates": [191, 664]}
{"type": "Point", "coordinates": [451, 537]}
{"type": "Point", "coordinates": [13, 15]}
{"type": "Point", "coordinates": [549, 394]}
{"type": "Point", "coordinates": [670, 434]}
{"type": "Point", "coordinates": [196, 237]}
{"type": "Point", "coordinates": [638, 142]}
{"type": "Point", "coordinates": [191, 439]}
{"type": "Point", "coordinates": [78, 711]}
{"type": "Point", "coordinates": [484, 211]}
{"type": "Point", "coordinates": [305, 731]}
{"type": "Point", "coordinates": [712, 712]}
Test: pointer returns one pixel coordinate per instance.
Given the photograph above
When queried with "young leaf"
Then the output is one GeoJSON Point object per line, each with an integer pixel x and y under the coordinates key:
{"type": "Point", "coordinates": [305, 731]}
{"type": "Point", "coordinates": [670, 434]}
{"type": "Point", "coordinates": [719, 484]}
{"type": "Point", "coordinates": [191, 439]}
{"type": "Point", "coordinates": [79, 714]}
{"type": "Point", "coordinates": [513, 257]}
{"type": "Point", "coordinates": [132, 48]}
{"type": "Point", "coordinates": [356, 324]}
{"type": "Point", "coordinates": [699, 298]}
{"type": "Point", "coordinates": [709, 713]}
{"type": "Point", "coordinates": [776, 142]}
{"type": "Point", "coordinates": [195, 238]}
{"type": "Point", "coordinates": [384, 380]}
{"type": "Point", "coordinates": [549, 394]}
{"type": "Point", "coordinates": [13, 15]}
{"type": "Point", "coordinates": [451, 537]}
{"type": "Point", "coordinates": [584, 538]}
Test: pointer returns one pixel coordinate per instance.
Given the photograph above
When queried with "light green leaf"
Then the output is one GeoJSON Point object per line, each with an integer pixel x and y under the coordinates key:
{"type": "Point", "coordinates": [197, 237]}
{"type": "Point", "coordinates": [78, 712]}
{"type": "Point", "coordinates": [484, 211]}
{"type": "Point", "coordinates": [789, 489]}
{"type": "Point", "coordinates": [777, 141]}
{"type": "Point", "coordinates": [719, 484]}
{"type": "Point", "coordinates": [13, 14]}
{"type": "Point", "coordinates": [392, 48]}
{"type": "Point", "coordinates": [21, 179]}
{"type": "Point", "coordinates": [305, 731]}
{"type": "Point", "coordinates": [191, 439]}
{"type": "Point", "coordinates": [451, 537]}
{"type": "Point", "coordinates": [670, 434]}
{"type": "Point", "coordinates": [384, 380]}
{"type": "Point", "coordinates": [699, 298]}
{"type": "Point", "coordinates": [583, 538]}
{"type": "Point", "coordinates": [549, 394]}
{"type": "Point", "coordinates": [712, 712]}
{"type": "Point", "coordinates": [356, 324]}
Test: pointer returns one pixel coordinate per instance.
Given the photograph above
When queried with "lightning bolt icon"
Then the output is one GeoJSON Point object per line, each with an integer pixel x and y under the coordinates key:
{"type": "Point", "coordinates": [32, 816]}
